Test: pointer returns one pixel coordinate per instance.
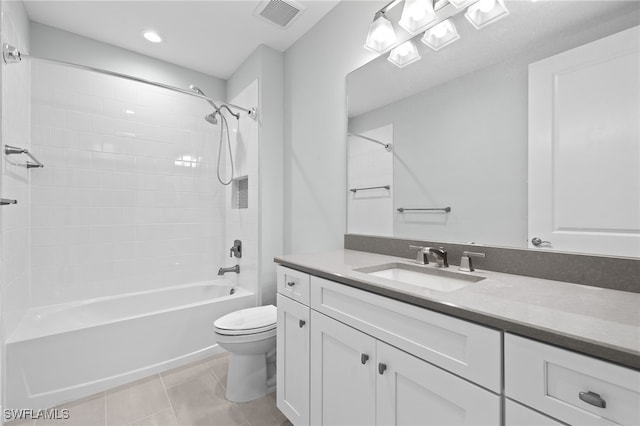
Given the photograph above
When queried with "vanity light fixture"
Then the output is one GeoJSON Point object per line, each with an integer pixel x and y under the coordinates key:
{"type": "Point", "coordinates": [440, 35]}
{"type": "Point", "coordinates": [420, 15]}
{"type": "Point", "coordinates": [404, 54]}
{"type": "Point", "coordinates": [460, 4]}
{"type": "Point", "coordinates": [486, 12]}
{"type": "Point", "coordinates": [152, 36]}
{"type": "Point", "coordinates": [381, 35]}
{"type": "Point", "coordinates": [417, 15]}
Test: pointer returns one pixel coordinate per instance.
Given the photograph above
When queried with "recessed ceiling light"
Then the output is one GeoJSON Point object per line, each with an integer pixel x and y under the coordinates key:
{"type": "Point", "coordinates": [153, 36]}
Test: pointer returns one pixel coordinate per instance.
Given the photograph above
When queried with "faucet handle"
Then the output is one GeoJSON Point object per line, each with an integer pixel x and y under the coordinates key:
{"type": "Point", "coordinates": [466, 264]}
{"type": "Point", "coordinates": [422, 256]}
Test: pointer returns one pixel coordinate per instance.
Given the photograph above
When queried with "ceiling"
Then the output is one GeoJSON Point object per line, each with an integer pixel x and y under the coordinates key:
{"type": "Point", "coordinates": [210, 36]}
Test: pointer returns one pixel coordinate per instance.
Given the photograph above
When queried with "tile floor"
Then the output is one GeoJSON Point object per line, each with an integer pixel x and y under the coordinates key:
{"type": "Point", "coordinates": [187, 396]}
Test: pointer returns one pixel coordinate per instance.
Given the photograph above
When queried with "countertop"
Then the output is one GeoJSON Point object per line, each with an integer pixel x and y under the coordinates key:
{"type": "Point", "coordinates": [594, 321]}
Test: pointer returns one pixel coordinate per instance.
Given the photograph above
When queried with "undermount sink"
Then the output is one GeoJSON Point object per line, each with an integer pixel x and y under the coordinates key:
{"type": "Point", "coordinates": [422, 276]}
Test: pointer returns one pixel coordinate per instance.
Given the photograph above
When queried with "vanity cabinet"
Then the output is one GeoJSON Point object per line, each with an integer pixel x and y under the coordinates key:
{"type": "Point", "coordinates": [374, 360]}
{"type": "Point", "coordinates": [293, 347]}
{"type": "Point", "coordinates": [573, 388]}
{"type": "Point", "coordinates": [519, 415]}
{"type": "Point", "coordinates": [359, 380]}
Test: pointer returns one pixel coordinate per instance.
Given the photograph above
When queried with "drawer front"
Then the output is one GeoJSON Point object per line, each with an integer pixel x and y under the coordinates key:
{"type": "Point", "coordinates": [519, 415]}
{"type": "Point", "coordinates": [466, 349]}
{"type": "Point", "coordinates": [571, 387]}
{"type": "Point", "coordinates": [293, 284]}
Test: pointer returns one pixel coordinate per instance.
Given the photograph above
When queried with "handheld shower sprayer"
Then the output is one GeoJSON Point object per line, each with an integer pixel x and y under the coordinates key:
{"type": "Point", "coordinates": [212, 118]}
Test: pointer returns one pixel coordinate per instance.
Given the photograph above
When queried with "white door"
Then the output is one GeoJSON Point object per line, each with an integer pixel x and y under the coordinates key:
{"type": "Point", "coordinates": [342, 374]}
{"type": "Point", "coordinates": [411, 391]}
{"type": "Point", "coordinates": [584, 148]}
{"type": "Point", "coordinates": [292, 393]}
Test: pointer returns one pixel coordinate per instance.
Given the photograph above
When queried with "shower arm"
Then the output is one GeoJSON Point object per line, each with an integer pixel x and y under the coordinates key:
{"type": "Point", "coordinates": [12, 55]}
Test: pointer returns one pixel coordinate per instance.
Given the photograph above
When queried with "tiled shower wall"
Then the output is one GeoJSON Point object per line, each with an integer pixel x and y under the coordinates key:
{"type": "Point", "coordinates": [14, 281]}
{"type": "Point", "coordinates": [128, 199]}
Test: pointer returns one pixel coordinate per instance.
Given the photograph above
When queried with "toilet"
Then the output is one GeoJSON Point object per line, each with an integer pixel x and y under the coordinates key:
{"type": "Point", "coordinates": [249, 335]}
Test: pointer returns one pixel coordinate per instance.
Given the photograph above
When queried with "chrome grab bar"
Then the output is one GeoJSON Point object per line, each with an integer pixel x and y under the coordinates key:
{"type": "Point", "coordinates": [11, 150]}
{"type": "Point", "coordinates": [371, 187]}
{"type": "Point", "coordinates": [443, 209]}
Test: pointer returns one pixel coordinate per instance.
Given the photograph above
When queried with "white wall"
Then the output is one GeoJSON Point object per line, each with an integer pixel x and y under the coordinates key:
{"type": "Point", "coordinates": [316, 67]}
{"type": "Point", "coordinates": [266, 65]}
{"type": "Point", "coordinates": [49, 42]}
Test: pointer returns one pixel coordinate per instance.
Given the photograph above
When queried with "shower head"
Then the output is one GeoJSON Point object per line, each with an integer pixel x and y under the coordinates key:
{"type": "Point", "coordinates": [211, 118]}
{"type": "Point", "coordinates": [201, 93]}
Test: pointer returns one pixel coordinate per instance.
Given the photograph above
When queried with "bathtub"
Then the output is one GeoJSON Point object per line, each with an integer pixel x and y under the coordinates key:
{"type": "Point", "coordinates": [63, 352]}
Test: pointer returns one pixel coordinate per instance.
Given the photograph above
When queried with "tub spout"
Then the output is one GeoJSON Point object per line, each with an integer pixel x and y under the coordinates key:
{"type": "Point", "coordinates": [235, 269]}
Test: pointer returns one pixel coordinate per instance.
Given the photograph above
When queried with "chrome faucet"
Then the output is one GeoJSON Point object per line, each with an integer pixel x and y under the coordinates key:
{"type": "Point", "coordinates": [440, 255]}
{"type": "Point", "coordinates": [235, 269]}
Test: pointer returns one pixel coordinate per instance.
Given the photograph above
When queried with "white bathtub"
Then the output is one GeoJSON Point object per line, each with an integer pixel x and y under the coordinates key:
{"type": "Point", "coordinates": [63, 352]}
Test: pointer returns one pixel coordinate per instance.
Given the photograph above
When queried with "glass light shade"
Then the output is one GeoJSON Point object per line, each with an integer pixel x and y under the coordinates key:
{"type": "Point", "coordinates": [381, 35]}
{"type": "Point", "coordinates": [486, 12]}
{"type": "Point", "coordinates": [417, 15]}
{"type": "Point", "coordinates": [404, 54]}
{"type": "Point", "coordinates": [440, 35]}
{"type": "Point", "coordinates": [459, 4]}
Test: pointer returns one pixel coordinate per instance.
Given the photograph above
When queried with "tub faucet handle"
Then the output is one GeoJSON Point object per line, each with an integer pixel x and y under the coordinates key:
{"type": "Point", "coordinates": [236, 250]}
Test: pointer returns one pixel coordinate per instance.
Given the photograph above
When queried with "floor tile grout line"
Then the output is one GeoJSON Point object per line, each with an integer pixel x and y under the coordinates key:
{"type": "Point", "coordinates": [173, 410]}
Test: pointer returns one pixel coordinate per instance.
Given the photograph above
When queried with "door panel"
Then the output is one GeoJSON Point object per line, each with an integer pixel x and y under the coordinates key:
{"type": "Point", "coordinates": [413, 392]}
{"type": "Point", "coordinates": [342, 387]}
{"type": "Point", "coordinates": [584, 147]}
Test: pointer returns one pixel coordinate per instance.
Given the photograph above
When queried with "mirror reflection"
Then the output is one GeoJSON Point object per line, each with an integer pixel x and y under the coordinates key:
{"type": "Point", "coordinates": [524, 133]}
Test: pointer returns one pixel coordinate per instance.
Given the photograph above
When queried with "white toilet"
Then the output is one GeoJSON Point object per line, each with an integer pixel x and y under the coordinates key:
{"type": "Point", "coordinates": [249, 335]}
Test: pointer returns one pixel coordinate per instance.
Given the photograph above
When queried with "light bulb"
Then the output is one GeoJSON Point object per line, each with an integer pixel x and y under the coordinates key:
{"type": "Point", "coordinates": [486, 5]}
{"type": "Point", "coordinates": [416, 12]}
{"type": "Point", "coordinates": [440, 30]}
{"type": "Point", "coordinates": [381, 34]}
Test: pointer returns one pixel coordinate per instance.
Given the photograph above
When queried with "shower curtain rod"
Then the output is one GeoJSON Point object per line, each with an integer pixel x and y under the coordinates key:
{"type": "Point", "coordinates": [387, 146]}
{"type": "Point", "coordinates": [12, 55]}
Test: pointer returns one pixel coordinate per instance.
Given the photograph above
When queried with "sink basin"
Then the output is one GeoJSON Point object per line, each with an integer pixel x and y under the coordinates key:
{"type": "Point", "coordinates": [422, 276]}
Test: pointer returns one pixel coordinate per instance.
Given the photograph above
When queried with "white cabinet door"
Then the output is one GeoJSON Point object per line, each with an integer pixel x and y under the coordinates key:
{"type": "Point", "coordinates": [342, 374]}
{"type": "Point", "coordinates": [584, 147]}
{"type": "Point", "coordinates": [411, 391]}
{"type": "Point", "coordinates": [293, 346]}
{"type": "Point", "coordinates": [519, 415]}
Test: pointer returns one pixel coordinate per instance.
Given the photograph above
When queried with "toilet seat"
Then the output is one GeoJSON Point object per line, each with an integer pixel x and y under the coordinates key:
{"type": "Point", "coordinates": [260, 319]}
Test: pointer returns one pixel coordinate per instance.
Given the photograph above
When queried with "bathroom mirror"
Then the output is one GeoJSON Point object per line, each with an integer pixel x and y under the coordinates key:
{"type": "Point", "coordinates": [451, 134]}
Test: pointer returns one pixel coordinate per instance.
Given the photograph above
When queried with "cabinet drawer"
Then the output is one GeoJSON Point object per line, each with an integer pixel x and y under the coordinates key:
{"type": "Point", "coordinates": [293, 284]}
{"type": "Point", "coordinates": [570, 386]}
{"type": "Point", "coordinates": [464, 348]}
{"type": "Point", "coordinates": [519, 415]}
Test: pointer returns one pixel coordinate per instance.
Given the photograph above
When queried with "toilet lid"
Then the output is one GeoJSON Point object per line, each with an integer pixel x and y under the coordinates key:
{"type": "Point", "coordinates": [248, 321]}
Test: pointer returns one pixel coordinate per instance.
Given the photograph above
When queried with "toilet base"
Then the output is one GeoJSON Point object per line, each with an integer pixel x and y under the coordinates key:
{"type": "Point", "coordinates": [247, 377]}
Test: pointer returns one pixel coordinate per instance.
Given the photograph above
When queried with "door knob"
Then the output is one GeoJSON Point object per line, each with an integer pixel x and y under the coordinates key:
{"type": "Point", "coordinates": [364, 358]}
{"type": "Point", "coordinates": [302, 323]}
{"type": "Point", "coordinates": [381, 368]}
{"type": "Point", "coordinates": [538, 242]}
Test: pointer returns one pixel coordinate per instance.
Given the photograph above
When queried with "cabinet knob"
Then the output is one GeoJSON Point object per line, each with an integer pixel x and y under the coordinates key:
{"type": "Point", "coordinates": [301, 323]}
{"type": "Point", "coordinates": [291, 283]}
{"type": "Point", "coordinates": [381, 368]}
{"type": "Point", "coordinates": [364, 358]}
{"type": "Point", "coordinates": [593, 399]}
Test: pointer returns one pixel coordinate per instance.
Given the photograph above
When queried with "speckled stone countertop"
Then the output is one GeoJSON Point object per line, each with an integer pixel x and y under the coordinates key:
{"type": "Point", "coordinates": [595, 321]}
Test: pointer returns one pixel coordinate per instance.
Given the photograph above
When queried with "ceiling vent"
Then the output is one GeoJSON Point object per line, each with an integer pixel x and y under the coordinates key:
{"type": "Point", "coordinates": [278, 12]}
